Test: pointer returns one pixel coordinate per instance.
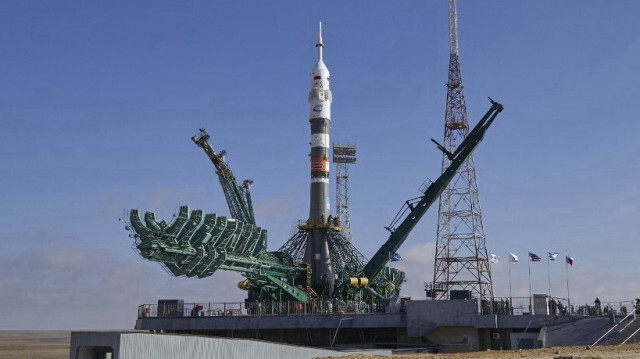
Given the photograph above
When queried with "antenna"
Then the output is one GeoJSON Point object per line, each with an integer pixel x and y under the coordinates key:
{"type": "Point", "coordinates": [453, 27]}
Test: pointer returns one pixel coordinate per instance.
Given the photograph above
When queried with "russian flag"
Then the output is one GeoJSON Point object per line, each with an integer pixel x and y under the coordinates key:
{"type": "Point", "coordinates": [569, 261]}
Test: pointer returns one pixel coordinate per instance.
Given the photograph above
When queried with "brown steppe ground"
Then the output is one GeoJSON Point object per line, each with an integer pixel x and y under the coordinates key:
{"type": "Point", "coordinates": [601, 352]}
{"type": "Point", "coordinates": [50, 344]}
{"type": "Point", "coordinates": [55, 345]}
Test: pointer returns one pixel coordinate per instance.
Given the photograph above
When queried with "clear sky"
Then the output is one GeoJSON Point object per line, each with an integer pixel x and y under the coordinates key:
{"type": "Point", "coordinates": [98, 101]}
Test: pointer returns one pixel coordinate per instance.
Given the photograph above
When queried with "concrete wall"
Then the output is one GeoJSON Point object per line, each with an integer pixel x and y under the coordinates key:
{"type": "Point", "coordinates": [138, 345]}
{"type": "Point", "coordinates": [522, 340]}
{"type": "Point", "coordinates": [454, 339]}
{"type": "Point", "coordinates": [86, 345]}
{"type": "Point", "coordinates": [424, 316]}
{"type": "Point", "coordinates": [387, 320]}
{"type": "Point", "coordinates": [495, 338]}
{"type": "Point", "coordinates": [524, 321]}
{"type": "Point", "coordinates": [583, 331]}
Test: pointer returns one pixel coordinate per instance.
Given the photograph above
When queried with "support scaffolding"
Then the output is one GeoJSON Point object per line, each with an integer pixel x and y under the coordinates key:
{"type": "Point", "coordinates": [343, 156]}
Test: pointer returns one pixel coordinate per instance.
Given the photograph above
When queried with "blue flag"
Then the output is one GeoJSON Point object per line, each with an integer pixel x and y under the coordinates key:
{"type": "Point", "coordinates": [395, 257]}
{"type": "Point", "coordinates": [553, 256]}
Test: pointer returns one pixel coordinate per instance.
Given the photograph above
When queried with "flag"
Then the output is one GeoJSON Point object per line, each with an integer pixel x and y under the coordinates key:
{"type": "Point", "coordinates": [494, 258]}
{"type": "Point", "coordinates": [513, 258]}
{"type": "Point", "coordinates": [553, 256]}
{"type": "Point", "coordinates": [395, 257]}
{"type": "Point", "coordinates": [569, 260]}
{"type": "Point", "coordinates": [534, 257]}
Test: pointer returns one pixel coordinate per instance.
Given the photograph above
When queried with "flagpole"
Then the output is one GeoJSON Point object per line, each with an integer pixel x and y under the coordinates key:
{"type": "Point", "coordinates": [529, 265]}
{"type": "Point", "coordinates": [510, 297]}
{"type": "Point", "coordinates": [549, 273]}
{"type": "Point", "coordinates": [566, 269]}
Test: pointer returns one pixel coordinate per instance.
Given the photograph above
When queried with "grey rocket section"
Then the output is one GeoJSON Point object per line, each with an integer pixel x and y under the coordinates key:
{"type": "Point", "coordinates": [317, 251]}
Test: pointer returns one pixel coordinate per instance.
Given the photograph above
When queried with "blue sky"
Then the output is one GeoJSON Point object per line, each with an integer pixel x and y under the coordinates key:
{"type": "Point", "coordinates": [98, 101]}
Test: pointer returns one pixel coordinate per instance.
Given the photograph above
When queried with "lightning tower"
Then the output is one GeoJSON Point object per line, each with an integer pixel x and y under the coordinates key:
{"type": "Point", "coordinates": [461, 266]}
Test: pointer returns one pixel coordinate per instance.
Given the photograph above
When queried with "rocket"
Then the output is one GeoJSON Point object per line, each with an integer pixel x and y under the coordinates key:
{"type": "Point", "coordinates": [317, 250]}
{"type": "Point", "coordinates": [320, 120]}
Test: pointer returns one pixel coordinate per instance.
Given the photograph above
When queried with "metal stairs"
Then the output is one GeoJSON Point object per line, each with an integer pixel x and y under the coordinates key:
{"type": "Point", "coordinates": [630, 333]}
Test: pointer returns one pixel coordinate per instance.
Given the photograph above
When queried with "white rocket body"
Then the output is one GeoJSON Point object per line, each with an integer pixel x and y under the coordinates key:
{"type": "Point", "coordinates": [317, 251]}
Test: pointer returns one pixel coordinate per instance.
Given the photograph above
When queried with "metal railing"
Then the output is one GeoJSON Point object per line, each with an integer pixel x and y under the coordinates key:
{"type": "Point", "coordinates": [526, 306]}
{"type": "Point", "coordinates": [251, 308]}
{"type": "Point", "coordinates": [500, 306]}
{"type": "Point", "coordinates": [633, 335]}
{"type": "Point", "coordinates": [621, 308]}
{"type": "Point", "coordinates": [558, 306]}
{"type": "Point", "coordinates": [605, 335]}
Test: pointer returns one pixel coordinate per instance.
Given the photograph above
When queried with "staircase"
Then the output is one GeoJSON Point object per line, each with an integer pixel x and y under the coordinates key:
{"type": "Point", "coordinates": [629, 333]}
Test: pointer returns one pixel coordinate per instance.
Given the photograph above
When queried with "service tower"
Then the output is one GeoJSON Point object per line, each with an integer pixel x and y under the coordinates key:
{"type": "Point", "coordinates": [317, 250]}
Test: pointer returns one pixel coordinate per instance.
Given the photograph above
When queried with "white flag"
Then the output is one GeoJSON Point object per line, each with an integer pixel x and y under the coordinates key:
{"type": "Point", "coordinates": [513, 258]}
{"type": "Point", "coordinates": [494, 258]}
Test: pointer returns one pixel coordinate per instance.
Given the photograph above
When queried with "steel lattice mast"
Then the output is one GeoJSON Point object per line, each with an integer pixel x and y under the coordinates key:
{"type": "Point", "coordinates": [343, 155]}
{"type": "Point", "coordinates": [461, 258]}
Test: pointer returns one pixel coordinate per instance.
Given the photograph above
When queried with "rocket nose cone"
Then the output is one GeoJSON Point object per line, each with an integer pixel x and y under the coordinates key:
{"type": "Point", "coordinates": [320, 69]}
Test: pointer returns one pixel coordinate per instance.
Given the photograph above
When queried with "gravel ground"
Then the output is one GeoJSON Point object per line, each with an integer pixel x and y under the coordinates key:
{"type": "Point", "coordinates": [600, 352]}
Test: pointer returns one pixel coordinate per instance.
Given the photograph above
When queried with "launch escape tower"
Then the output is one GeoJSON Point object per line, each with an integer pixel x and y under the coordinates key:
{"type": "Point", "coordinates": [343, 155]}
{"type": "Point", "coordinates": [461, 265]}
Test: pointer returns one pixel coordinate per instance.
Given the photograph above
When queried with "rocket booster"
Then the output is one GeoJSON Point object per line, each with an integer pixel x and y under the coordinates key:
{"type": "Point", "coordinates": [317, 250]}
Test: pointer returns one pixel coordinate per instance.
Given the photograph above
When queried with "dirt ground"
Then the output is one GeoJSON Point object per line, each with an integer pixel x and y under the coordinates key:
{"type": "Point", "coordinates": [600, 352]}
{"type": "Point", "coordinates": [34, 344]}
{"type": "Point", "coordinates": [55, 345]}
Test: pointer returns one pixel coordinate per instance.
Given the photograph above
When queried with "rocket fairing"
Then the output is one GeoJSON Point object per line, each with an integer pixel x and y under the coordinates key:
{"type": "Point", "coordinates": [317, 250]}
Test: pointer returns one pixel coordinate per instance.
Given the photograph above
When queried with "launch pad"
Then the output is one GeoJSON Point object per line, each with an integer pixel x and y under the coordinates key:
{"type": "Point", "coordinates": [318, 290]}
{"type": "Point", "coordinates": [318, 276]}
{"type": "Point", "coordinates": [409, 325]}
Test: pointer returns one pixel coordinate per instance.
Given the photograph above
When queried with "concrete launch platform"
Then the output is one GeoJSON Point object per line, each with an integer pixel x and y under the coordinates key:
{"type": "Point", "coordinates": [443, 326]}
{"type": "Point", "coordinates": [415, 326]}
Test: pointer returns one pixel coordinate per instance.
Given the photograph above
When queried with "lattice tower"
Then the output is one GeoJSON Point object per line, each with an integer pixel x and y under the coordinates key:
{"type": "Point", "coordinates": [461, 258]}
{"type": "Point", "coordinates": [343, 156]}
